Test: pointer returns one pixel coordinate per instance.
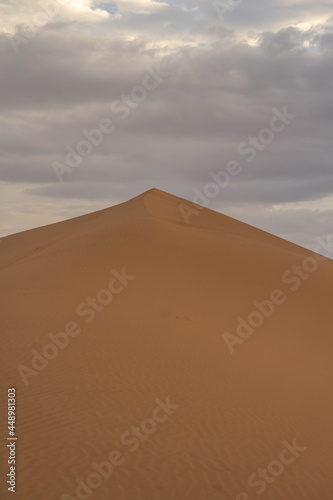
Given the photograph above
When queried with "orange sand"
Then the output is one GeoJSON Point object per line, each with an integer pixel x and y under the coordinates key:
{"type": "Point", "coordinates": [162, 336]}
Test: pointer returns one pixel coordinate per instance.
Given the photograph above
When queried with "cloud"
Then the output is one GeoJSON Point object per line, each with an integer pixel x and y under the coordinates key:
{"type": "Point", "coordinates": [225, 79]}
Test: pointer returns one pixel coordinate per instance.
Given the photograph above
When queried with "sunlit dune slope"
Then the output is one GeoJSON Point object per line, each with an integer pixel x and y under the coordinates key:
{"type": "Point", "coordinates": [107, 315]}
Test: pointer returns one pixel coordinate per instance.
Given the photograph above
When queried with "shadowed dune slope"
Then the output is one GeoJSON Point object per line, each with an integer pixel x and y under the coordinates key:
{"type": "Point", "coordinates": [147, 300]}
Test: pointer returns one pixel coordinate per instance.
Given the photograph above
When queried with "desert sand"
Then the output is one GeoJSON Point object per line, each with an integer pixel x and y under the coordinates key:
{"type": "Point", "coordinates": [144, 376]}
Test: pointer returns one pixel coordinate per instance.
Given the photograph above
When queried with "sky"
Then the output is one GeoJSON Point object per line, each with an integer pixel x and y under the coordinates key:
{"type": "Point", "coordinates": [225, 102]}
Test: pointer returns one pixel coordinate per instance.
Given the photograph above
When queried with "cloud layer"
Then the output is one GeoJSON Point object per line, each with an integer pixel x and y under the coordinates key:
{"type": "Point", "coordinates": [87, 62]}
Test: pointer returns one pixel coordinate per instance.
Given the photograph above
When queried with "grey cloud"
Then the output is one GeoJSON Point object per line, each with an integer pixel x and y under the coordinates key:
{"type": "Point", "coordinates": [217, 95]}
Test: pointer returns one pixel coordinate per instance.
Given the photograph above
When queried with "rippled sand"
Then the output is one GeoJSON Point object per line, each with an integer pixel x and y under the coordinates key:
{"type": "Point", "coordinates": [162, 336]}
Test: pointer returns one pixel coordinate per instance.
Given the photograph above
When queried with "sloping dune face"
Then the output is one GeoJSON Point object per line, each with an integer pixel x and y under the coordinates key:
{"type": "Point", "coordinates": [156, 358]}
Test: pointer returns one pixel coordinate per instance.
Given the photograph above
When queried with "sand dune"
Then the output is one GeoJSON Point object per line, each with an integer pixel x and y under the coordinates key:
{"type": "Point", "coordinates": [119, 333]}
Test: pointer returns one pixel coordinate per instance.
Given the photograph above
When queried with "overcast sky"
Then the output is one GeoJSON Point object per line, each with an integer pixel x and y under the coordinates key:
{"type": "Point", "coordinates": [203, 79]}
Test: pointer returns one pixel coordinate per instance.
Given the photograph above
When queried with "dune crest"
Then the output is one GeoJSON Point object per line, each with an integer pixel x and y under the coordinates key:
{"type": "Point", "coordinates": [150, 384]}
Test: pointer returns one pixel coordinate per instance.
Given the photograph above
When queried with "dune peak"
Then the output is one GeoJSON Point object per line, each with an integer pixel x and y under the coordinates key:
{"type": "Point", "coordinates": [132, 306]}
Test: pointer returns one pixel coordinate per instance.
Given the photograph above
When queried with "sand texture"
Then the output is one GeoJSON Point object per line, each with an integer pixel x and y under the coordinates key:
{"type": "Point", "coordinates": [155, 357]}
